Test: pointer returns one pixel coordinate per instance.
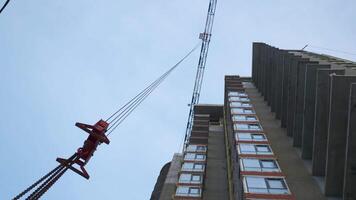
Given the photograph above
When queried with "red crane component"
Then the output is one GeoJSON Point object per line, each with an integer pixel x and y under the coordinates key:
{"type": "Point", "coordinates": [82, 156]}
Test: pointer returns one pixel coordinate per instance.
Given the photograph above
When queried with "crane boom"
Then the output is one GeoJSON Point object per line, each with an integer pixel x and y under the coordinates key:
{"type": "Point", "coordinates": [205, 37]}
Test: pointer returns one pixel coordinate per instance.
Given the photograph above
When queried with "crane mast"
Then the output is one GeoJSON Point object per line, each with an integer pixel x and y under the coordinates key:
{"type": "Point", "coordinates": [205, 37]}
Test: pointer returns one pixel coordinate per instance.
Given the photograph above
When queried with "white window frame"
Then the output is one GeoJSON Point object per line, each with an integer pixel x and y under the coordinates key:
{"type": "Point", "coordinates": [194, 157]}
{"type": "Point", "coordinates": [237, 104]}
{"type": "Point", "coordinates": [189, 193]}
{"type": "Point", "coordinates": [239, 99]}
{"type": "Point", "coordinates": [239, 138]}
{"type": "Point", "coordinates": [191, 178]}
{"type": "Point", "coordinates": [255, 146]}
{"type": "Point", "coordinates": [237, 127]}
{"type": "Point", "coordinates": [237, 111]}
{"type": "Point", "coordinates": [243, 118]}
{"type": "Point", "coordinates": [268, 189]}
{"type": "Point", "coordinates": [195, 148]}
{"type": "Point", "coordinates": [194, 168]}
{"type": "Point", "coordinates": [260, 161]}
{"type": "Point", "coordinates": [237, 94]}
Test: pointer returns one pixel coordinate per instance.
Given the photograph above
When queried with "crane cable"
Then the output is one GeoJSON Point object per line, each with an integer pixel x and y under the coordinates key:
{"type": "Point", "coordinates": [117, 118]}
{"type": "Point", "coordinates": [122, 113]}
{"type": "Point", "coordinates": [47, 181]}
{"type": "Point", "coordinates": [3, 7]}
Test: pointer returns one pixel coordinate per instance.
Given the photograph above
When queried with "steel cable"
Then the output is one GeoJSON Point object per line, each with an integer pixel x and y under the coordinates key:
{"type": "Point", "coordinates": [128, 108]}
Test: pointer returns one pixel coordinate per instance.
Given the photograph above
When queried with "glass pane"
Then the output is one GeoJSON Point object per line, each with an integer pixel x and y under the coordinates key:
{"type": "Point", "coordinates": [238, 118]}
{"type": "Point", "coordinates": [251, 163]}
{"type": "Point", "coordinates": [262, 148]}
{"type": "Point", "coordinates": [189, 156]}
{"type": "Point", "coordinates": [196, 178]}
{"type": "Point", "coordinates": [201, 148]}
{"type": "Point", "coordinates": [268, 164]}
{"type": "Point", "coordinates": [248, 111]}
{"type": "Point", "coordinates": [254, 127]}
{"type": "Point", "coordinates": [182, 190]}
{"type": "Point", "coordinates": [247, 148]}
{"type": "Point", "coordinates": [276, 183]}
{"type": "Point", "coordinates": [185, 178]}
{"type": "Point", "coordinates": [258, 136]}
{"type": "Point", "coordinates": [237, 110]}
{"type": "Point", "coordinates": [251, 118]}
{"type": "Point", "coordinates": [241, 126]}
{"type": "Point", "coordinates": [200, 157]}
{"type": "Point", "coordinates": [191, 147]}
{"type": "Point", "coordinates": [255, 182]}
{"type": "Point", "coordinates": [244, 136]}
{"type": "Point", "coordinates": [198, 166]}
{"type": "Point", "coordinates": [235, 104]}
{"type": "Point", "coordinates": [234, 98]}
{"type": "Point", "coordinates": [188, 165]}
{"type": "Point", "coordinates": [194, 190]}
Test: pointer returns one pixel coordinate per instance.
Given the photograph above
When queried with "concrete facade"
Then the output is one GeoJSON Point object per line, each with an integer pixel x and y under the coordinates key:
{"type": "Point", "coordinates": [313, 106]}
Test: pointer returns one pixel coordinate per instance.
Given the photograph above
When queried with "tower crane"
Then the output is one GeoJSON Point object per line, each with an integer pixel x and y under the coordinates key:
{"type": "Point", "coordinates": [205, 37]}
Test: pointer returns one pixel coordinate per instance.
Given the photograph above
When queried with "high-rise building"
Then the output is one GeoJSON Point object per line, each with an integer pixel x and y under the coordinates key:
{"type": "Point", "coordinates": [288, 132]}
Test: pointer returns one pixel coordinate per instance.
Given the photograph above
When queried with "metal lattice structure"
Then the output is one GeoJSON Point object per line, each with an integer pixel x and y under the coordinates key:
{"type": "Point", "coordinates": [205, 37]}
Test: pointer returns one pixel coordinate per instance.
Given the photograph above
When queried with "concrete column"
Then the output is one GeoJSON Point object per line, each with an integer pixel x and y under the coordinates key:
{"type": "Point", "coordinates": [285, 90]}
{"type": "Point", "coordinates": [309, 109]}
{"type": "Point", "coordinates": [337, 132]}
{"type": "Point", "coordinates": [350, 165]}
{"type": "Point", "coordinates": [321, 120]}
{"type": "Point", "coordinates": [292, 95]}
{"type": "Point", "coordinates": [299, 104]}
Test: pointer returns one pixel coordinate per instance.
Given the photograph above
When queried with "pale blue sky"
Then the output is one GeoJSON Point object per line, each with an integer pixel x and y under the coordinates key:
{"type": "Point", "coordinates": [68, 61]}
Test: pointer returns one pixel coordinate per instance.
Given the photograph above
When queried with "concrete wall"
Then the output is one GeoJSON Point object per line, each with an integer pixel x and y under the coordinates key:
{"type": "Point", "coordinates": [310, 94]}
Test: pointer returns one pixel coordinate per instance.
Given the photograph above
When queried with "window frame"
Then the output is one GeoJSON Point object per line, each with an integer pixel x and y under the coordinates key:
{"type": "Point", "coordinates": [261, 168]}
{"type": "Point", "coordinates": [255, 146]}
{"type": "Point", "coordinates": [268, 189]}
{"type": "Point", "coordinates": [249, 125]}
{"type": "Point", "coordinates": [251, 134]}
{"type": "Point", "coordinates": [242, 113]}
{"type": "Point", "coordinates": [194, 168]}
{"type": "Point", "coordinates": [189, 193]}
{"type": "Point", "coordinates": [191, 178]}
{"type": "Point", "coordinates": [195, 158]}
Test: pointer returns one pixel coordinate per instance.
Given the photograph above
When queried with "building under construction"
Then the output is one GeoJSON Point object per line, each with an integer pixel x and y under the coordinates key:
{"type": "Point", "coordinates": [284, 133]}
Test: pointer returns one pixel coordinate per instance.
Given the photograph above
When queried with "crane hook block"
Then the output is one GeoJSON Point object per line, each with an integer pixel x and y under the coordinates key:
{"type": "Point", "coordinates": [82, 156]}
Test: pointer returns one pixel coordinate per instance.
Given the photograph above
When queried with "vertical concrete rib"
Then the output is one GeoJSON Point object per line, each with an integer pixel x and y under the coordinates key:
{"type": "Point", "coordinates": [322, 102]}
{"type": "Point", "coordinates": [349, 192]}
{"type": "Point", "coordinates": [337, 131]}
{"type": "Point", "coordinates": [309, 109]}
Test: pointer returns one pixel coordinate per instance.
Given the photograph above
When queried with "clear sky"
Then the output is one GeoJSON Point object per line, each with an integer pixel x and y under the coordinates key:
{"type": "Point", "coordinates": [67, 61]}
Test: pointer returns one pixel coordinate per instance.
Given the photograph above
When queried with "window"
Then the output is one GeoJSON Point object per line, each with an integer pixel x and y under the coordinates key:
{"type": "Point", "coordinates": [241, 111]}
{"type": "Point", "coordinates": [239, 104]}
{"type": "Point", "coordinates": [194, 157]}
{"type": "Point", "coordinates": [244, 118]}
{"type": "Point", "coordinates": [196, 148]}
{"type": "Point", "coordinates": [251, 127]}
{"type": "Point", "coordinates": [265, 185]}
{"type": "Point", "coordinates": [235, 104]}
{"type": "Point", "coordinates": [188, 191]}
{"type": "Point", "coordinates": [257, 149]}
{"type": "Point", "coordinates": [259, 165]}
{"type": "Point", "coordinates": [190, 178]}
{"type": "Point", "coordinates": [250, 137]}
{"type": "Point", "coordinates": [237, 94]}
{"type": "Point", "coordinates": [242, 99]}
{"type": "Point", "coordinates": [193, 167]}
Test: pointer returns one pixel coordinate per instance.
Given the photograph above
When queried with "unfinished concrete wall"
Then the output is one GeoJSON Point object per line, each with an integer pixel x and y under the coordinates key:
{"type": "Point", "coordinates": [349, 192]}
{"type": "Point", "coordinates": [322, 107]}
{"type": "Point", "coordinates": [337, 132]}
